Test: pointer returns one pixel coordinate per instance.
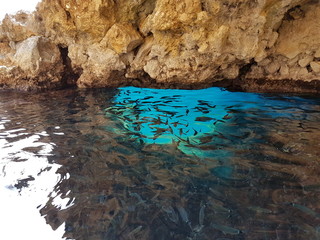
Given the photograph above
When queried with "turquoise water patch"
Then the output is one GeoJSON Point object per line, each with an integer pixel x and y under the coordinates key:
{"type": "Point", "coordinates": [184, 117]}
{"type": "Point", "coordinates": [187, 118]}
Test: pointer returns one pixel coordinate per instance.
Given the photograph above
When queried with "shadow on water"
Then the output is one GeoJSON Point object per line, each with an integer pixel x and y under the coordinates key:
{"type": "Point", "coordinates": [139, 163]}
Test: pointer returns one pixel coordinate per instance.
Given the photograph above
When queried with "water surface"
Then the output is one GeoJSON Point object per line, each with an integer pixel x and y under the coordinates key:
{"type": "Point", "coordinates": [134, 163]}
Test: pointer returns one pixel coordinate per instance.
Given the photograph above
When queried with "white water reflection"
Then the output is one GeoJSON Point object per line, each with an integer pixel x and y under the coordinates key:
{"type": "Point", "coordinates": [27, 180]}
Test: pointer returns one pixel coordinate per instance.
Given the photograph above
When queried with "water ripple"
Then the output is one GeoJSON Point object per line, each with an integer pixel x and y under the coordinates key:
{"type": "Point", "coordinates": [135, 163]}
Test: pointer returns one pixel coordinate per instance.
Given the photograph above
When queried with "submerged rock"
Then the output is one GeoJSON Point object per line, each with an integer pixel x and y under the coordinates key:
{"type": "Point", "coordinates": [167, 43]}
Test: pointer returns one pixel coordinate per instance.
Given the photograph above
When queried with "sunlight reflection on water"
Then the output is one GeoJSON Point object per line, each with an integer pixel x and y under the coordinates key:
{"type": "Point", "coordinates": [27, 180]}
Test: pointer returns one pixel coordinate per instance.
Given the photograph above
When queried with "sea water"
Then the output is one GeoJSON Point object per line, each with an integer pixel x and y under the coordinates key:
{"type": "Point", "coordinates": [138, 163]}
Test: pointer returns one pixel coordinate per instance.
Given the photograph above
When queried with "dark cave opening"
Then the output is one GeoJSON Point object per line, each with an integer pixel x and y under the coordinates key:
{"type": "Point", "coordinates": [69, 77]}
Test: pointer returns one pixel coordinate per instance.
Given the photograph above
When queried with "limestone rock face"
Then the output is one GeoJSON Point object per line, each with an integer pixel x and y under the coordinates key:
{"type": "Point", "coordinates": [17, 27]}
{"type": "Point", "coordinates": [169, 43]}
{"type": "Point", "coordinates": [123, 38]}
{"type": "Point", "coordinates": [99, 66]}
{"type": "Point", "coordinates": [315, 66]}
{"type": "Point", "coordinates": [35, 55]}
{"type": "Point", "coordinates": [36, 64]}
{"type": "Point", "coordinates": [296, 52]}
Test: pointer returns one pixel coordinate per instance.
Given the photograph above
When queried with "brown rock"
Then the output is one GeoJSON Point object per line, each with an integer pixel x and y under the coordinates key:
{"type": "Point", "coordinates": [273, 67]}
{"type": "Point", "coordinates": [17, 27]}
{"type": "Point", "coordinates": [98, 65]}
{"type": "Point", "coordinates": [140, 60]}
{"type": "Point", "coordinates": [315, 66]}
{"type": "Point", "coordinates": [300, 35]}
{"type": "Point", "coordinates": [123, 38]}
{"type": "Point", "coordinates": [305, 61]}
{"type": "Point", "coordinates": [284, 70]}
{"type": "Point", "coordinates": [36, 54]}
{"type": "Point", "coordinates": [183, 43]}
{"type": "Point", "coordinates": [36, 64]}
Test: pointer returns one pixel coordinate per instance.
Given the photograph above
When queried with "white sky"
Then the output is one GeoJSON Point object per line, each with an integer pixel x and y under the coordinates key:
{"type": "Point", "coordinates": [12, 6]}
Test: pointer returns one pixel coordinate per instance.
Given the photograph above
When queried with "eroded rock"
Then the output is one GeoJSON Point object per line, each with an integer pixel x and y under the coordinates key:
{"type": "Point", "coordinates": [123, 38]}
{"type": "Point", "coordinates": [297, 47]}
{"type": "Point", "coordinates": [36, 64]}
{"type": "Point", "coordinates": [168, 43]}
{"type": "Point", "coordinates": [100, 67]}
{"type": "Point", "coordinates": [35, 55]}
{"type": "Point", "coordinates": [16, 28]}
{"type": "Point", "coordinates": [315, 66]}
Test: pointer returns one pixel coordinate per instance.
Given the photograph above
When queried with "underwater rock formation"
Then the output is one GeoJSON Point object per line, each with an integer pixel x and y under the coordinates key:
{"type": "Point", "coordinates": [254, 45]}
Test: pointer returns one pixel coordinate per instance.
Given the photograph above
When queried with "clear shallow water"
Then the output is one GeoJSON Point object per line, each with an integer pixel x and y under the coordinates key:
{"type": "Point", "coordinates": [135, 163]}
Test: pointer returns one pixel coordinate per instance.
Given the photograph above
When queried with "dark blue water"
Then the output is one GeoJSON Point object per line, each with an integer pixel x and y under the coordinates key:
{"type": "Point", "coordinates": [134, 163]}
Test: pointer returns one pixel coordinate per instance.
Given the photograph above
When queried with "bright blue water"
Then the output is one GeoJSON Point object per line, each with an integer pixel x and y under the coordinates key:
{"type": "Point", "coordinates": [134, 163]}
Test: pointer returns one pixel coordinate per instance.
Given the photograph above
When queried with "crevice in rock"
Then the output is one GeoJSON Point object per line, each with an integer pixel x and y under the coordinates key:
{"type": "Point", "coordinates": [292, 13]}
{"type": "Point", "coordinates": [237, 83]}
{"type": "Point", "coordinates": [246, 68]}
{"type": "Point", "coordinates": [203, 6]}
{"type": "Point", "coordinates": [68, 15]}
{"type": "Point", "coordinates": [69, 77]}
{"type": "Point", "coordinates": [308, 67]}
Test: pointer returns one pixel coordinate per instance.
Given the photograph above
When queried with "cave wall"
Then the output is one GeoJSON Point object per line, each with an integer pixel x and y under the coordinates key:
{"type": "Point", "coordinates": [259, 45]}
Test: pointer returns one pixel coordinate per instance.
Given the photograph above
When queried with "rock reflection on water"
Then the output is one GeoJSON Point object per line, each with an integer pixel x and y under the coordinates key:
{"type": "Point", "coordinates": [163, 164]}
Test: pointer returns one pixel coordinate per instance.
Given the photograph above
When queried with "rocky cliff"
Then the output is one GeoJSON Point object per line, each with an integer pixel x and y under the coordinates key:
{"type": "Point", "coordinates": [254, 45]}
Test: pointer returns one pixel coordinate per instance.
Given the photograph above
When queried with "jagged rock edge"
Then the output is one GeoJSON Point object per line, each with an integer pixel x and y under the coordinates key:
{"type": "Point", "coordinates": [263, 83]}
